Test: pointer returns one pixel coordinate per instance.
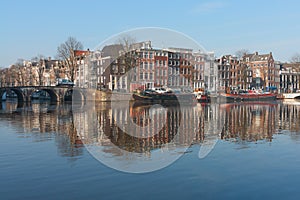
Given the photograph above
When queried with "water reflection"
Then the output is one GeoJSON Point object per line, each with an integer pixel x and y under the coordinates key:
{"type": "Point", "coordinates": [44, 122]}
{"type": "Point", "coordinates": [142, 128]}
{"type": "Point", "coordinates": [145, 128]}
{"type": "Point", "coordinates": [250, 122]}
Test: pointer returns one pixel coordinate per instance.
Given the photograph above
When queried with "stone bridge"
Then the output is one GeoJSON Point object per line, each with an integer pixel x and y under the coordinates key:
{"type": "Point", "coordinates": [56, 93]}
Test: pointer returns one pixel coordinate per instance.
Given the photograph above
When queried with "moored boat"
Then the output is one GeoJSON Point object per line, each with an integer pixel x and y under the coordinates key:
{"type": "Point", "coordinates": [202, 97]}
{"type": "Point", "coordinates": [150, 95]}
{"type": "Point", "coordinates": [249, 96]}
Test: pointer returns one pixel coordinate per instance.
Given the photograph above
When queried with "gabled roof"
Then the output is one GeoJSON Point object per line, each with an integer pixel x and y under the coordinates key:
{"type": "Point", "coordinates": [256, 57]}
{"type": "Point", "coordinates": [112, 50]}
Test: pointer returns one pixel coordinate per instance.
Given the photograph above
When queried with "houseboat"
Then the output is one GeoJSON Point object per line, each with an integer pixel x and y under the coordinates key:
{"type": "Point", "coordinates": [251, 95]}
{"type": "Point", "coordinates": [159, 95]}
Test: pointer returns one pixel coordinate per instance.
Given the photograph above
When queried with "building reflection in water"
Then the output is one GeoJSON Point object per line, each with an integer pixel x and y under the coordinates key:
{"type": "Point", "coordinates": [157, 126]}
{"type": "Point", "coordinates": [145, 128]}
{"type": "Point", "coordinates": [124, 128]}
{"type": "Point", "coordinates": [44, 122]}
{"type": "Point", "coordinates": [250, 121]}
{"type": "Point", "coordinates": [289, 116]}
{"type": "Point", "coordinates": [139, 128]}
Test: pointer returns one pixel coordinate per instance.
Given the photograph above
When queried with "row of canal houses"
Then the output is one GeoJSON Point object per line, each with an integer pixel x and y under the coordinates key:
{"type": "Point", "coordinates": [141, 66]}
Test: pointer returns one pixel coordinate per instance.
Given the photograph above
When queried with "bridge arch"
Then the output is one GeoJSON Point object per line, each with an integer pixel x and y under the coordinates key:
{"type": "Point", "coordinates": [20, 94]}
{"type": "Point", "coordinates": [54, 96]}
{"type": "Point", "coordinates": [74, 94]}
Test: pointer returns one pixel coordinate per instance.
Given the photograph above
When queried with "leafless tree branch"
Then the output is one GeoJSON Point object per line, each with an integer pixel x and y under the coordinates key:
{"type": "Point", "coordinates": [65, 51]}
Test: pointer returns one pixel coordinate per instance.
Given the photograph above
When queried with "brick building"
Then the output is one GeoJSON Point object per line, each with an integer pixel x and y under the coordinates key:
{"type": "Point", "coordinates": [265, 74]}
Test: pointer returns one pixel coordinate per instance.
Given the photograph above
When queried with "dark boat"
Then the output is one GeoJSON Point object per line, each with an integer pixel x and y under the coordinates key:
{"type": "Point", "coordinates": [152, 96]}
{"type": "Point", "coordinates": [251, 96]}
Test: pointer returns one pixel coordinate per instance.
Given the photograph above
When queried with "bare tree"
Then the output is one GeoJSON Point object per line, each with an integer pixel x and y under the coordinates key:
{"type": "Point", "coordinates": [3, 77]}
{"type": "Point", "coordinates": [128, 59]}
{"type": "Point", "coordinates": [19, 70]}
{"type": "Point", "coordinates": [240, 53]}
{"type": "Point", "coordinates": [57, 70]}
{"type": "Point", "coordinates": [66, 51]}
{"type": "Point", "coordinates": [127, 41]}
{"type": "Point", "coordinates": [295, 58]}
{"type": "Point", "coordinates": [37, 58]}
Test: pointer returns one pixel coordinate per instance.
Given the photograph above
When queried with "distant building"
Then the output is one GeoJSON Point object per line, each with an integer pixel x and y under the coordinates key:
{"type": "Point", "coordinates": [289, 77]}
{"type": "Point", "coordinates": [265, 75]}
{"type": "Point", "coordinates": [53, 71]}
{"type": "Point", "coordinates": [227, 71]}
{"type": "Point", "coordinates": [142, 67]}
{"type": "Point", "coordinates": [181, 60]}
{"type": "Point", "coordinates": [211, 80]}
{"type": "Point", "coordinates": [161, 76]}
{"type": "Point", "coordinates": [198, 63]}
{"type": "Point", "coordinates": [82, 78]}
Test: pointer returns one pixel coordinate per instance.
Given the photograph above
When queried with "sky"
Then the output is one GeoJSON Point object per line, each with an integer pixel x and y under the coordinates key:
{"type": "Point", "coordinates": [34, 27]}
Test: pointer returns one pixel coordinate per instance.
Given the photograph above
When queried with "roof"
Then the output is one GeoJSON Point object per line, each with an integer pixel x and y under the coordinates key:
{"type": "Point", "coordinates": [81, 52]}
{"type": "Point", "coordinates": [257, 57]}
{"type": "Point", "coordinates": [50, 63]}
{"type": "Point", "coordinates": [112, 50]}
{"type": "Point", "coordinates": [293, 67]}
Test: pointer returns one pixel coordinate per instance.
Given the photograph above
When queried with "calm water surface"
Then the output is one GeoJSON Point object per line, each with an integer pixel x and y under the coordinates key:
{"type": "Point", "coordinates": [255, 152]}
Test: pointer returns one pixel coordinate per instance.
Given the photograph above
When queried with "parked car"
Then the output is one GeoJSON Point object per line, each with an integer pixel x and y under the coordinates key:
{"type": "Point", "coordinates": [62, 81]}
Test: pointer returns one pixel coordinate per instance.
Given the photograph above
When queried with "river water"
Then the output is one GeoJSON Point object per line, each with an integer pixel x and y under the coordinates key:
{"type": "Point", "coordinates": [116, 151]}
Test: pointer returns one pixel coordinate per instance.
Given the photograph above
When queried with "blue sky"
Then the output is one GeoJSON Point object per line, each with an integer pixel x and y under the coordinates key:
{"type": "Point", "coordinates": [29, 28]}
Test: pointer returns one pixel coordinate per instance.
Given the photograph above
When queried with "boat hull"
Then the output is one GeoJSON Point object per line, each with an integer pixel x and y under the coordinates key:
{"type": "Point", "coordinates": [164, 98]}
{"type": "Point", "coordinates": [205, 99]}
{"type": "Point", "coordinates": [247, 97]}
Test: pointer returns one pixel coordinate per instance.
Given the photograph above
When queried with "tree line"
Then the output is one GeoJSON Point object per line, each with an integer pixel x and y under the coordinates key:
{"type": "Point", "coordinates": [32, 72]}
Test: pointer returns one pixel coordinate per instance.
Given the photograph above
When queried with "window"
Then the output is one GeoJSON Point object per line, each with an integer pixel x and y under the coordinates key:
{"type": "Point", "coordinates": [151, 65]}
{"type": "Point", "coordinates": [151, 55]}
{"type": "Point", "coordinates": [151, 76]}
{"type": "Point", "coordinates": [145, 54]}
{"type": "Point", "coordinates": [141, 76]}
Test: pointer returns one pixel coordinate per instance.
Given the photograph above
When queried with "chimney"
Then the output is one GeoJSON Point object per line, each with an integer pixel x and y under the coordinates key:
{"type": "Point", "coordinates": [256, 53]}
{"type": "Point", "coordinates": [49, 58]}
